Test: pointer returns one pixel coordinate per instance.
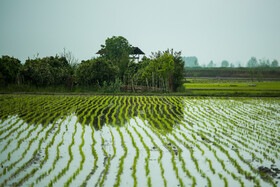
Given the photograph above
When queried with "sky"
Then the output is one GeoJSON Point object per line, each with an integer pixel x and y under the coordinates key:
{"type": "Point", "coordinates": [233, 30]}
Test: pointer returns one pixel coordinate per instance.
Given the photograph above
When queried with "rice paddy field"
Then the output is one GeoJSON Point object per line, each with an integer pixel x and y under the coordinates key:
{"type": "Point", "coordinates": [232, 84]}
{"type": "Point", "coordinates": [139, 141]}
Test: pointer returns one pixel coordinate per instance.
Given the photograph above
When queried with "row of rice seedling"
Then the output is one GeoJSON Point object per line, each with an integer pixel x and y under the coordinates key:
{"type": "Point", "coordinates": [194, 141]}
{"type": "Point", "coordinates": [103, 105]}
{"type": "Point", "coordinates": [206, 145]}
{"type": "Point", "coordinates": [25, 164]}
{"type": "Point", "coordinates": [217, 158]}
{"type": "Point", "coordinates": [29, 116]}
{"type": "Point", "coordinates": [66, 168]}
{"type": "Point", "coordinates": [83, 115]}
{"type": "Point", "coordinates": [145, 145]}
{"type": "Point", "coordinates": [241, 157]}
{"type": "Point", "coordinates": [44, 174]}
{"type": "Point", "coordinates": [167, 121]}
{"type": "Point", "coordinates": [159, 135]}
{"type": "Point", "coordinates": [93, 151]}
{"type": "Point", "coordinates": [133, 143]}
{"type": "Point", "coordinates": [48, 145]}
{"type": "Point", "coordinates": [251, 137]}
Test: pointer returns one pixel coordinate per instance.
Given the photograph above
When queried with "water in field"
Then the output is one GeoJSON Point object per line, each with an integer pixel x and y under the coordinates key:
{"type": "Point", "coordinates": [139, 141]}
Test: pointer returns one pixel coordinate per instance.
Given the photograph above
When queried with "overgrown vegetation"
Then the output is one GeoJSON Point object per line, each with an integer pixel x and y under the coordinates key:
{"type": "Point", "coordinates": [114, 70]}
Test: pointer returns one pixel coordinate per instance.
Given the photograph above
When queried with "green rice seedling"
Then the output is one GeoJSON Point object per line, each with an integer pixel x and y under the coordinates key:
{"type": "Point", "coordinates": [209, 182]}
{"type": "Point", "coordinates": [57, 148]}
{"type": "Point", "coordinates": [172, 152]}
{"type": "Point", "coordinates": [24, 153]}
{"type": "Point", "coordinates": [114, 103]}
{"type": "Point", "coordinates": [11, 132]}
{"type": "Point", "coordinates": [211, 166]}
{"type": "Point", "coordinates": [144, 144]}
{"type": "Point", "coordinates": [220, 176]}
{"type": "Point", "coordinates": [121, 109]}
{"type": "Point", "coordinates": [146, 147]}
{"type": "Point", "coordinates": [134, 145]}
{"type": "Point", "coordinates": [105, 171]}
{"type": "Point", "coordinates": [225, 181]}
{"type": "Point", "coordinates": [80, 147]}
{"type": "Point", "coordinates": [63, 171]}
{"type": "Point", "coordinates": [33, 171]}
{"type": "Point", "coordinates": [114, 112]}
{"type": "Point", "coordinates": [93, 150]}
{"type": "Point", "coordinates": [113, 144]}
{"type": "Point", "coordinates": [193, 181]}
{"type": "Point", "coordinates": [238, 179]}
{"type": "Point", "coordinates": [19, 142]}
{"type": "Point", "coordinates": [120, 171]}
{"type": "Point", "coordinates": [135, 158]}
{"type": "Point", "coordinates": [51, 142]}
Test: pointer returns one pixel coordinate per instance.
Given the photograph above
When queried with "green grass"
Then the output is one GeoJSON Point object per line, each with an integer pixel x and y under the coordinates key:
{"type": "Point", "coordinates": [231, 87]}
{"type": "Point", "coordinates": [272, 85]}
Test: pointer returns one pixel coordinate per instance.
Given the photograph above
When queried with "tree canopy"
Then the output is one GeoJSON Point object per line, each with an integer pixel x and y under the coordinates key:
{"type": "Point", "coordinates": [116, 48]}
{"type": "Point", "coordinates": [9, 67]}
{"type": "Point", "coordinates": [163, 71]}
{"type": "Point", "coordinates": [225, 63]}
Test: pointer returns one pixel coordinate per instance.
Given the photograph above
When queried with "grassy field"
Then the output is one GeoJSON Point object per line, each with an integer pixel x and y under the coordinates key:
{"type": "Point", "coordinates": [232, 87]}
{"type": "Point", "coordinates": [139, 141]}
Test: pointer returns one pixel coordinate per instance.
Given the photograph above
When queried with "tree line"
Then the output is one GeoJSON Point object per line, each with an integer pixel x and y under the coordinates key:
{"type": "Point", "coordinates": [113, 70]}
{"type": "Point", "coordinates": [192, 62]}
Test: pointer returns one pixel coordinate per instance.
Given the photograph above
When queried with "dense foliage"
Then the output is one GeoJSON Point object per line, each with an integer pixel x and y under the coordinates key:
{"type": "Point", "coordinates": [96, 71]}
{"type": "Point", "coordinates": [46, 71]}
{"type": "Point", "coordinates": [114, 69]}
{"type": "Point", "coordinates": [9, 69]}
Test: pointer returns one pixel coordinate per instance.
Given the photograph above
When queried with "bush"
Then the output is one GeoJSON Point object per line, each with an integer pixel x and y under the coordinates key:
{"type": "Point", "coordinates": [95, 71]}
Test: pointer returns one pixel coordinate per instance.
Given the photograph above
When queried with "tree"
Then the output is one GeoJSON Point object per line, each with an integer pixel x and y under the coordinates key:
{"type": "Point", "coordinates": [36, 72]}
{"type": "Point", "coordinates": [165, 70]}
{"type": "Point", "coordinates": [61, 70]}
{"type": "Point", "coordinates": [232, 65]}
{"type": "Point", "coordinates": [224, 63]}
{"type": "Point", "coordinates": [96, 71]}
{"type": "Point", "coordinates": [211, 64]}
{"type": "Point", "coordinates": [48, 71]}
{"type": "Point", "coordinates": [252, 63]}
{"type": "Point", "coordinates": [9, 68]}
{"type": "Point", "coordinates": [117, 50]}
{"type": "Point", "coordinates": [191, 61]}
{"type": "Point", "coordinates": [265, 63]}
{"type": "Point", "coordinates": [274, 63]}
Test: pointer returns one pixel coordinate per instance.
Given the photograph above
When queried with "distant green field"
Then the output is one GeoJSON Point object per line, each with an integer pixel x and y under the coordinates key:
{"type": "Point", "coordinates": [272, 85]}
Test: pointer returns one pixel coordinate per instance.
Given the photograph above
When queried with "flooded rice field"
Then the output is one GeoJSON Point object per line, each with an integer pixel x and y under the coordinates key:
{"type": "Point", "coordinates": [139, 141]}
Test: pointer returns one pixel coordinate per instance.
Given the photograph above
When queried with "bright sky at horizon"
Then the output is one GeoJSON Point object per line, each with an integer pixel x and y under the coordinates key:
{"type": "Point", "coordinates": [217, 30]}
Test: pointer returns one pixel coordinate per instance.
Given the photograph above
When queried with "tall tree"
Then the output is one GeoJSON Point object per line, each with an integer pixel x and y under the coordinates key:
{"type": "Point", "coordinates": [165, 70]}
{"type": "Point", "coordinates": [211, 64]}
{"type": "Point", "coordinates": [252, 63]}
{"type": "Point", "coordinates": [265, 63]}
{"type": "Point", "coordinates": [224, 63]}
{"type": "Point", "coordinates": [274, 63]}
{"type": "Point", "coordinates": [117, 50]}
